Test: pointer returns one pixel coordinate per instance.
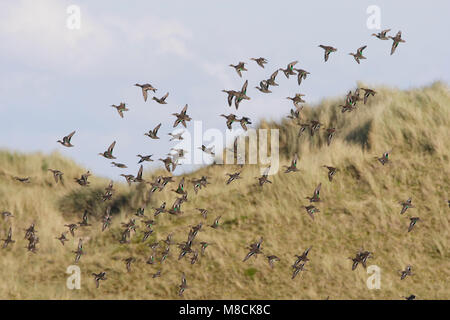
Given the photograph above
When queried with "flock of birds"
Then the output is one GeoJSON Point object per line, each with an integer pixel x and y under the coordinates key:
{"type": "Point", "coordinates": [190, 247]}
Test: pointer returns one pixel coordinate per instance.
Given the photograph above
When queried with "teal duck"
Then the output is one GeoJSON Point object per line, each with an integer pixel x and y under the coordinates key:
{"type": "Point", "coordinates": [255, 249]}
{"type": "Point", "coordinates": [331, 172]}
{"type": "Point", "coordinates": [297, 99]}
{"type": "Point", "coordinates": [62, 238]}
{"type": "Point", "coordinates": [239, 68]}
{"type": "Point", "coordinates": [144, 158]}
{"type": "Point", "coordinates": [215, 225]}
{"type": "Point", "coordinates": [108, 153]}
{"type": "Point", "coordinates": [311, 210]}
{"type": "Point", "coordinates": [406, 205]}
{"type": "Point", "coordinates": [182, 117]}
{"type": "Point", "coordinates": [271, 259]}
{"type": "Point", "coordinates": [66, 140]}
{"type": "Point", "coordinates": [230, 119]}
{"type": "Point", "coordinates": [241, 95]}
{"type": "Point", "coordinates": [57, 175]}
{"type": "Point", "coordinates": [368, 93]}
{"type": "Point", "coordinates": [8, 239]}
{"type": "Point", "coordinates": [183, 286]}
{"type": "Point", "coordinates": [161, 100]}
{"type": "Point", "coordinates": [153, 133]}
{"type": "Point", "coordinates": [271, 80]}
{"type": "Point", "coordinates": [146, 87]}
{"type": "Point", "coordinates": [260, 61]}
{"type": "Point", "coordinates": [264, 177]}
{"type": "Point", "coordinates": [301, 75]}
{"type": "Point", "coordinates": [98, 277]}
{"type": "Point", "coordinates": [121, 108]}
{"type": "Point", "coordinates": [119, 165]}
{"type": "Point", "coordinates": [264, 87]}
{"type": "Point", "coordinates": [328, 50]}
{"type": "Point", "coordinates": [316, 194]}
{"type": "Point", "coordinates": [412, 223]}
{"type": "Point", "coordinates": [382, 35]}
{"type": "Point", "coordinates": [359, 54]}
{"type": "Point", "coordinates": [406, 272]}
{"type": "Point", "coordinates": [289, 71]}
{"type": "Point", "coordinates": [396, 40]}
{"type": "Point", "coordinates": [244, 121]}
{"type": "Point", "coordinates": [293, 166]}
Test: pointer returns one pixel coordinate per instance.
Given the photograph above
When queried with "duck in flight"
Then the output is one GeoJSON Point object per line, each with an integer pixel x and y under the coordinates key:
{"type": "Point", "coordinates": [145, 87]}
{"type": "Point", "coordinates": [66, 140]}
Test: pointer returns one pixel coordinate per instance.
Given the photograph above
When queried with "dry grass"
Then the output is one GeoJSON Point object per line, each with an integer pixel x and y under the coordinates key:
{"type": "Point", "coordinates": [359, 209]}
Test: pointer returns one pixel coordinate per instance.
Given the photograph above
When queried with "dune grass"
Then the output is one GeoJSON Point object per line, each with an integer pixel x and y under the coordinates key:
{"type": "Point", "coordinates": [359, 209]}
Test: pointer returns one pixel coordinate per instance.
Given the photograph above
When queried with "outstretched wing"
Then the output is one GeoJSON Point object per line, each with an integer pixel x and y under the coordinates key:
{"type": "Point", "coordinates": [244, 87]}
{"type": "Point", "coordinates": [155, 131]}
{"type": "Point", "coordinates": [111, 147]}
{"type": "Point", "coordinates": [360, 50]}
{"type": "Point", "coordinates": [317, 190]}
{"type": "Point", "coordinates": [68, 137]}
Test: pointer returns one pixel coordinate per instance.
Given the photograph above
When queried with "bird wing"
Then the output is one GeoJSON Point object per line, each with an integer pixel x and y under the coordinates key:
{"type": "Point", "coordinates": [68, 137]}
{"type": "Point", "coordinates": [139, 174]}
{"type": "Point", "coordinates": [244, 87]}
{"type": "Point", "coordinates": [360, 50]}
{"type": "Point", "coordinates": [155, 131]}
{"type": "Point", "coordinates": [317, 190]}
{"type": "Point", "coordinates": [144, 93]}
{"type": "Point", "coordinates": [111, 147]}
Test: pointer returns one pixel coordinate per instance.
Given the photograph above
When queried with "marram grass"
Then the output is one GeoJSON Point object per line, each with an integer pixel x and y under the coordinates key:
{"type": "Point", "coordinates": [360, 209]}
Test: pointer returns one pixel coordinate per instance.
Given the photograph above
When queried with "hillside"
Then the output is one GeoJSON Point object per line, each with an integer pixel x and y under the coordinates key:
{"type": "Point", "coordinates": [359, 208]}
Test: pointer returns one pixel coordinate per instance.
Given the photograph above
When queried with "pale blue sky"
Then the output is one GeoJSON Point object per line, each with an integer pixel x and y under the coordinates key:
{"type": "Point", "coordinates": [54, 80]}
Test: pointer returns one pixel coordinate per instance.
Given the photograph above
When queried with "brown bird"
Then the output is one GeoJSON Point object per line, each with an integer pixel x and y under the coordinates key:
{"type": "Point", "coordinates": [128, 262]}
{"type": "Point", "coordinates": [260, 61]}
{"type": "Point", "coordinates": [368, 93]}
{"type": "Point", "coordinates": [8, 239]}
{"type": "Point", "coordinates": [108, 153]}
{"type": "Point", "coordinates": [182, 117]}
{"type": "Point", "coordinates": [297, 99]}
{"type": "Point", "coordinates": [121, 108]}
{"type": "Point", "coordinates": [230, 119]}
{"type": "Point", "coordinates": [57, 175]}
{"type": "Point", "coordinates": [358, 55]}
{"type": "Point", "coordinates": [161, 100]}
{"type": "Point", "coordinates": [330, 135]}
{"type": "Point", "coordinates": [316, 195]}
{"type": "Point", "coordinates": [98, 277]}
{"type": "Point", "coordinates": [263, 179]}
{"type": "Point", "coordinates": [311, 210]}
{"type": "Point", "coordinates": [66, 140]}
{"type": "Point", "coordinates": [239, 68]}
{"type": "Point", "coordinates": [293, 166]}
{"type": "Point", "coordinates": [145, 87]}
{"type": "Point", "coordinates": [396, 40]}
{"type": "Point", "coordinates": [62, 238]}
{"type": "Point", "coordinates": [331, 172]}
{"type": "Point", "coordinates": [23, 180]}
{"type": "Point", "coordinates": [328, 50]}
{"type": "Point", "coordinates": [413, 221]}
{"type": "Point", "coordinates": [153, 133]}
{"type": "Point", "coordinates": [289, 69]}
{"type": "Point", "coordinates": [382, 35]}
{"type": "Point", "coordinates": [406, 205]}
{"type": "Point", "coordinates": [138, 177]}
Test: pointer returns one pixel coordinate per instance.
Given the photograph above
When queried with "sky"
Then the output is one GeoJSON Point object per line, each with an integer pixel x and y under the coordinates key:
{"type": "Point", "coordinates": [55, 79]}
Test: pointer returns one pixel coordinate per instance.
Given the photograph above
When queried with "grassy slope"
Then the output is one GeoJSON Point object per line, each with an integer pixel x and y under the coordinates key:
{"type": "Point", "coordinates": [360, 208]}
